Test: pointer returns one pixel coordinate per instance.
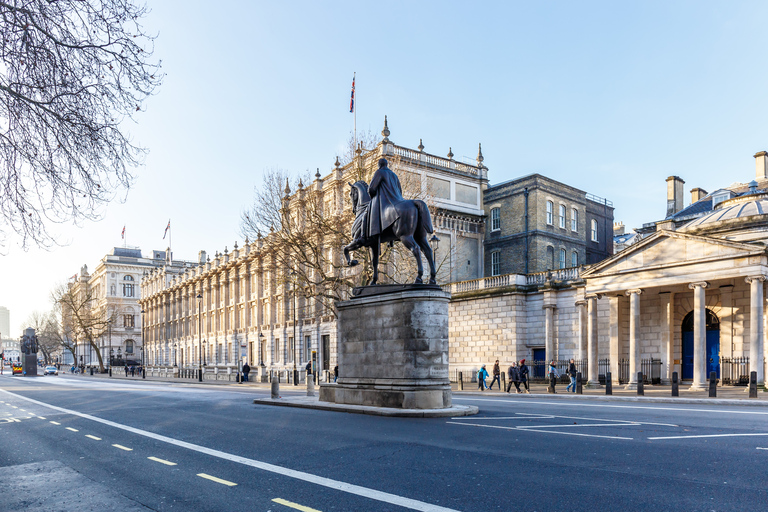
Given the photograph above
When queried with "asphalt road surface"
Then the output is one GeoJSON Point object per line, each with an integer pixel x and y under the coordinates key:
{"type": "Point", "coordinates": [72, 443]}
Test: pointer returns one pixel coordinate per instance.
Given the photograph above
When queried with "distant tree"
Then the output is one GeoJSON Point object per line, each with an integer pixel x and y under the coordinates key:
{"type": "Point", "coordinates": [71, 72]}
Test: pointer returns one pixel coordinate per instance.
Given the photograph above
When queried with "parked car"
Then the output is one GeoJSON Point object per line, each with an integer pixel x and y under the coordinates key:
{"type": "Point", "coordinates": [51, 370]}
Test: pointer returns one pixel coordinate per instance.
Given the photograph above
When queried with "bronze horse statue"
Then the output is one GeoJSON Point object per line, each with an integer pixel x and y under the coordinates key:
{"type": "Point", "coordinates": [412, 226]}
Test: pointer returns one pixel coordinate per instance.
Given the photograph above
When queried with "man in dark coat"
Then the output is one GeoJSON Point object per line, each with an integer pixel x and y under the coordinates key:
{"type": "Point", "coordinates": [246, 371]}
{"type": "Point", "coordinates": [386, 193]}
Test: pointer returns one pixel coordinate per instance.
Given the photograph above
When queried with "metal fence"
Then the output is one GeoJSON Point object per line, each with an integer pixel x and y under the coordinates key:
{"type": "Point", "coordinates": [734, 371]}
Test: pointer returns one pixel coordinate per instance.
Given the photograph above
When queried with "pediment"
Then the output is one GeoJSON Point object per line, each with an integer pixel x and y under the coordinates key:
{"type": "Point", "coordinates": [669, 248]}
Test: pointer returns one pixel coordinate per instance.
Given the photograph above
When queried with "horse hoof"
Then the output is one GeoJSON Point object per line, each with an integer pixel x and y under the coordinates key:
{"type": "Point", "coordinates": [418, 281]}
{"type": "Point", "coordinates": [433, 281]}
{"type": "Point", "coordinates": [353, 263]}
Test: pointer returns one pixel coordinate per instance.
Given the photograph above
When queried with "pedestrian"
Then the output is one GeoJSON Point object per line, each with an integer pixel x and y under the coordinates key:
{"type": "Point", "coordinates": [572, 375]}
{"type": "Point", "coordinates": [513, 372]}
{"type": "Point", "coordinates": [553, 376]}
{"type": "Point", "coordinates": [126, 369]}
{"type": "Point", "coordinates": [523, 370]}
{"type": "Point", "coordinates": [133, 371]}
{"type": "Point", "coordinates": [496, 375]}
{"type": "Point", "coordinates": [309, 367]}
{"type": "Point", "coordinates": [482, 374]}
{"type": "Point", "coordinates": [246, 371]}
{"type": "Point", "coordinates": [335, 373]}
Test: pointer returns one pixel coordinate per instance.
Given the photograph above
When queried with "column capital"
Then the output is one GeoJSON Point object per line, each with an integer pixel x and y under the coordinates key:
{"type": "Point", "coordinates": [759, 277]}
{"type": "Point", "coordinates": [595, 296]}
{"type": "Point", "coordinates": [700, 284]}
{"type": "Point", "coordinates": [580, 303]}
{"type": "Point", "coordinates": [637, 291]}
{"type": "Point", "coordinates": [549, 306]}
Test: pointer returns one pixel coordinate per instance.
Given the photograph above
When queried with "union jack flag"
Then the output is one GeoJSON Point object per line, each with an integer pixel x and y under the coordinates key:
{"type": "Point", "coordinates": [167, 228]}
{"type": "Point", "coordinates": [123, 234]}
{"type": "Point", "coordinates": [352, 100]}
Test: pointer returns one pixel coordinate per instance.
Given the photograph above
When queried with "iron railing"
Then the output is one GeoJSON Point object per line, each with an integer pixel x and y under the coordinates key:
{"type": "Point", "coordinates": [734, 371]}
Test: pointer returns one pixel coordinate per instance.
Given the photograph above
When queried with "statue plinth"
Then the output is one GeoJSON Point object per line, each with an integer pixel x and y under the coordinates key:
{"type": "Point", "coordinates": [393, 349]}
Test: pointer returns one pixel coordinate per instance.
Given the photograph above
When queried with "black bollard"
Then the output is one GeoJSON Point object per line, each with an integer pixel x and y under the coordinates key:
{"type": "Point", "coordinates": [461, 381]}
{"type": "Point", "coordinates": [110, 371]}
{"type": "Point", "coordinates": [752, 384]}
{"type": "Point", "coordinates": [143, 373]}
{"type": "Point", "coordinates": [578, 383]}
{"type": "Point", "coordinates": [675, 385]}
{"type": "Point", "coordinates": [712, 384]}
{"type": "Point", "coordinates": [608, 384]}
{"type": "Point", "coordinates": [503, 381]}
{"type": "Point", "coordinates": [640, 390]}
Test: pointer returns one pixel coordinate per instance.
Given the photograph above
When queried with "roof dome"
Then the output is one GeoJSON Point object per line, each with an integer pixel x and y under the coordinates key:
{"type": "Point", "coordinates": [743, 212]}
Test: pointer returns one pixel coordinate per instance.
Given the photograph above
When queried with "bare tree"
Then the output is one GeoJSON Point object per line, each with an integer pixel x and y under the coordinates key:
{"type": "Point", "coordinates": [82, 323]}
{"type": "Point", "coordinates": [71, 73]}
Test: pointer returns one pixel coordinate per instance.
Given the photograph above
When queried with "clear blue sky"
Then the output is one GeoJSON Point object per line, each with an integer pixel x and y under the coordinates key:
{"type": "Point", "coordinates": [610, 97]}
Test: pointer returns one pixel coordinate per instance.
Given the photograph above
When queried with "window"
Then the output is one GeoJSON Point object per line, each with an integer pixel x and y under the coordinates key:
{"type": "Point", "coordinates": [128, 321]}
{"type": "Point", "coordinates": [561, 260]}
{"type": "Point", "coordinates": [594, 230]}
{"type": "Point", "coordinates": [129, 346]}
{"type": "Point", "coordinates": [574, 219]}
{"type": "Point", "coordinates": [439, 188]}
{"type": "Point", "coordinates": [562, 216]}
{"type": "Point", "coordinates": [290, 350]}
{"type": "Point", "coordinates": [574, 259]}
{"type": "Point", "coordinates": [550, 207]}
{"type": "Point", "coordinates": [550, 260]}
{"type": "Point", "coordinates": [495, 219]}
{"type": "Point", "coordinates": [307, 347]}
{"type": "Point", "coordinates": [466, 194]}
{"type": "Point", "coordinates": [128, 286]}
{"type": "Point", "coordinates": [495, 263]}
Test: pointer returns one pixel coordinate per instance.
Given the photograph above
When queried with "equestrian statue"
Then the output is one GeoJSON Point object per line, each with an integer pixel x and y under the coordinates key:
{"type": "Point", "coordinates": [382, 215]}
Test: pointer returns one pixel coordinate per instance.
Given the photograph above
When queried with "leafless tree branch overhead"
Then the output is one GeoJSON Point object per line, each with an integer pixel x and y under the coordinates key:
{"type": "Point", "coordinates": [71, 73]}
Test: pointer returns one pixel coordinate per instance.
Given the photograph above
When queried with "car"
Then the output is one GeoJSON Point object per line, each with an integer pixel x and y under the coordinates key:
{"type": "Point", "coordinates": [51, 370]}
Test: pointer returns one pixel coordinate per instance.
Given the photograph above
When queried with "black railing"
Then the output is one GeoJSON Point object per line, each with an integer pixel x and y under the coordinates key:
{"type": "Point", "coordinates": [734, 371]}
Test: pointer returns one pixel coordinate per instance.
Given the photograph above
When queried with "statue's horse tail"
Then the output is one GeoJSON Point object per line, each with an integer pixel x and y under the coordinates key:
{"type": "Point", "coordinates": [424, 217]}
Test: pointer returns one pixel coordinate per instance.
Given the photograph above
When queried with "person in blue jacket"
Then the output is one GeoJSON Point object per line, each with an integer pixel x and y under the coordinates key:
{"type": "Point", "coordinates": [482, 374]}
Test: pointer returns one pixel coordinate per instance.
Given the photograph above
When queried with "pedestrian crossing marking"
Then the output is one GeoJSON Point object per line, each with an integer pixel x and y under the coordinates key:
{"type": "Point", "coordinates": [287, 503]}
{"type": "Point", "coordinates": [217, 480]}
{"type": "Point", "coordinates": [162, 461]}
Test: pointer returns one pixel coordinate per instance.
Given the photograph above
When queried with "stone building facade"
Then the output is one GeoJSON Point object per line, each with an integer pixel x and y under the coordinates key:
{"type": "Point", "coordinates": [535, 224]}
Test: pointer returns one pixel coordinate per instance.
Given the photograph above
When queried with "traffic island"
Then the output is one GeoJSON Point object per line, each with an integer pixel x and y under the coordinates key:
{"type": "Point", "coordinates": [306, 402]}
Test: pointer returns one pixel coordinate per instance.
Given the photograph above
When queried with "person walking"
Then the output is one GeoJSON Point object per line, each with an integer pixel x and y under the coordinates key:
{"type": "Point", "coordinates": [572, 375]}
{"type": "Point", "coordinates": [126, 370]}
{"type": "Point", "coordinates": [496, 375]}
{"type": "Point", "coordinates": [513, 372]}
{"type": "Point", "coordinates": [553, 376]}
{"type": "Point", "coordinates": [335, 373]}
{"type": "Point", "coordinates": [523, 371]}
{"type": "Point", "coordinates": [482, 374]}
{"type": "Point", "coordinates": [246, 371]}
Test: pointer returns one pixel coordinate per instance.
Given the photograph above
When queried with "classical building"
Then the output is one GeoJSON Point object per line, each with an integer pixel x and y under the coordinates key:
{"type": "Point", "coordinates": [537, 224]}
{"type": "Point", "coordinates": [112, 294]}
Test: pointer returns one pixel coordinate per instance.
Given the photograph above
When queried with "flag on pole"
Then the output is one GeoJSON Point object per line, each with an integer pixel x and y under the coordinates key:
{"type": "Point", "coordinates": [167, 228]}
{"type": "Point", "coordinates": [352, 100]}
{"type": "Point", "coordinates": [123, 234]}
{"type": "Point", "coordinates": [74, 277]}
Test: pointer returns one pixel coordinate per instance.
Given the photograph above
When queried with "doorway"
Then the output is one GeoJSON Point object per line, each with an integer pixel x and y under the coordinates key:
{"type": "Point", "coordinates": [712, 345]}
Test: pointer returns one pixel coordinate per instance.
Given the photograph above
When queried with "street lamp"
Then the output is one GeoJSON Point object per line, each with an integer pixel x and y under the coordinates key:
{"type": "Point", "coordinates": [175, 352]}
{"type": "Point", "coordinates": [295, 319]}
{"type": "Point", "coordinates": [142, 343]}
{"type": "Point", "coordinates": [200, 337]}
{"type": "Point", "coordinates": [261, 353]}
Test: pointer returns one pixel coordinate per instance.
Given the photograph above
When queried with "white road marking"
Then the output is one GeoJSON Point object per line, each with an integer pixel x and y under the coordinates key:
{"type": "Point", "coordinates": [610, 406]}
{"type": "Point", "coordinates": [72, 429]}
{"type": "Point", "coordinates": [357, 490]}
{"type": "Point", "coordinates": [709, 435]}
{"type": "Point", "coordinates": [123, 447]}
{"type": "Point", "coordinates": [56, 423]}
{"type": "Point", "coordinates": [217, 480]}
{"type": "Point", "coordinates": [93, 437]}
{"type": "Point", "coordinates": [521, 429]}
{"type": "Point", "coordinates": [525, 416]}
{"type": "Point", "coordinates": [760, 448]}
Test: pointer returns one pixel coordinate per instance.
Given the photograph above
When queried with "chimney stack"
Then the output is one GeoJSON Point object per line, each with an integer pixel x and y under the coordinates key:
{"type": "Point", "coordinates": [618, 228]}
{"type": "Point", "coordinates": [761, 165]}
{"type": "Point", "coordinates": [674, 195]}
{"type": "Point", "coordinates": [697, 193]}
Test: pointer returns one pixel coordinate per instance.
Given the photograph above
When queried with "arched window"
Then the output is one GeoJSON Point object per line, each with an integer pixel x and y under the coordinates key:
{"type": "Point", "coordinates": [550, 209]}
{"type": "Point", "coordinates": [129, 346]}
{"type": "Point", "coordinates": [594, 230]}
{"type": "Point", "coordinates": [128, 286]}
{"type": "Point", "coordinates": [574, 259]}
{"type": "Point", "coordinates": [550, 261]}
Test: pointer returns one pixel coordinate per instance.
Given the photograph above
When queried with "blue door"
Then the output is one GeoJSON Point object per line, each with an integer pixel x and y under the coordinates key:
{"type": "Point", "coordinates": [539, 354]}
{"type": "Point", "coordinates": [713, 353]}
{"type": "Point", "coordinates": [688, 355]}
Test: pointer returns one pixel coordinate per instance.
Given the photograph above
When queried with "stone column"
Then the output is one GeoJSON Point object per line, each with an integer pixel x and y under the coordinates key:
{"type": "Point", "coordinates": [592, 369]}
{"type": "Point", "coordinates": [549, 331]}
{"type": "Point", "coordinates": [581, 307]}
{"type": "Point", "coordinates": [756, 354]}
{"type": "Point", "coordinates": [666, 309]}
{"type": "Point", "coordinates": [615, 337]}
{"type": "Point", "coordinates": [699, 336]}
{"type": "Point", "coordinates": [634, 336]}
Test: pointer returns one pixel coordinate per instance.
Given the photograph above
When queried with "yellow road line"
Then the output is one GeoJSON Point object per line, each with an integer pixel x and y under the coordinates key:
{"type": "Point", "coordinates": [162, 461]}
{"type": "Point", "coordinates": [56, 423]}
{"type": "Point", "coordinates": [93, 437]}
{"type": "Point", "coordinates": [294, 505]}
{"type": "Point", "coordinates": [72, 429]}
{"type": "Point", "coordinates": [123, 447]}
{"type": "Point", "coordinates": [217, 480]}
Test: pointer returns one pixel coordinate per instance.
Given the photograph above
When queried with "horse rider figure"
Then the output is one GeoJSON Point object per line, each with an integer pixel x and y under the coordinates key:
{"type": "Point", "coordinates": [386, 193]}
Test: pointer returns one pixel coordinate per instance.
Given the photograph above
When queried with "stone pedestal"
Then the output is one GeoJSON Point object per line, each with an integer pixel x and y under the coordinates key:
{"type": "Point", "coordinates": [393, 349]}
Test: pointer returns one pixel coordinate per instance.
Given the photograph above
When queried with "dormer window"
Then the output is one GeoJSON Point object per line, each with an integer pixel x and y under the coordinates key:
{"type": "Point", "coordinates": [719, 198]}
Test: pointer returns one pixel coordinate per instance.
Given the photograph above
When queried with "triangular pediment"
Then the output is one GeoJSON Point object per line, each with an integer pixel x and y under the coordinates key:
{"type": "Point", "coordinates": [670, 248]}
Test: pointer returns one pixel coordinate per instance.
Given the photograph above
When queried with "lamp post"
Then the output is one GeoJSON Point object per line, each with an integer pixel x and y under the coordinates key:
{"type": "Point", "coordinates": [143, 370]}
{"type": "Point", "coordinates": [175, 352]}
{"type": "Point", "coordinates": [200, 336]}
{"type": "Point", "coordinates": [261, 354]}
{"type": "Point", "coordinates": [434, 242]}
{"type": "Point", "coordinates": [295, 319]}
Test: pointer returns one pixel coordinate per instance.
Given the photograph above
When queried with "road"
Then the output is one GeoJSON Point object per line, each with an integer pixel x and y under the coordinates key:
{"type": "Point", "coordinates": [96, 444]}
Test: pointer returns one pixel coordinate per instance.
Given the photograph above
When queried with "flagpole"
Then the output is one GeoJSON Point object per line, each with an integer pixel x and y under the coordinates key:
{"type": "Point", "coordinates": [354, 75]}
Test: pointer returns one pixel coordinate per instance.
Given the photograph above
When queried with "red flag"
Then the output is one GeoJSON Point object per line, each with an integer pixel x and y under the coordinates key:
{"type": "Point", "coordinates": [167, 228]}
{"type": "Point", "coordinates": [352, 100]}
{"type": "Point", "coordinates": [123, 235]}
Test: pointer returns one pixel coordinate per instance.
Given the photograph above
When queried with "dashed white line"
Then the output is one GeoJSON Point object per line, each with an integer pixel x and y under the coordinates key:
{"type": "Point", "coordinates": [217, 480]}
{"type": "Point", "coordinates": [123, 447]}
{"type": "Point", "coordinates": [72, 429]}
{"type": "Point", "coordinates": [93, 437]}
{"type": "Point", "coordinates": [163, 461]}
